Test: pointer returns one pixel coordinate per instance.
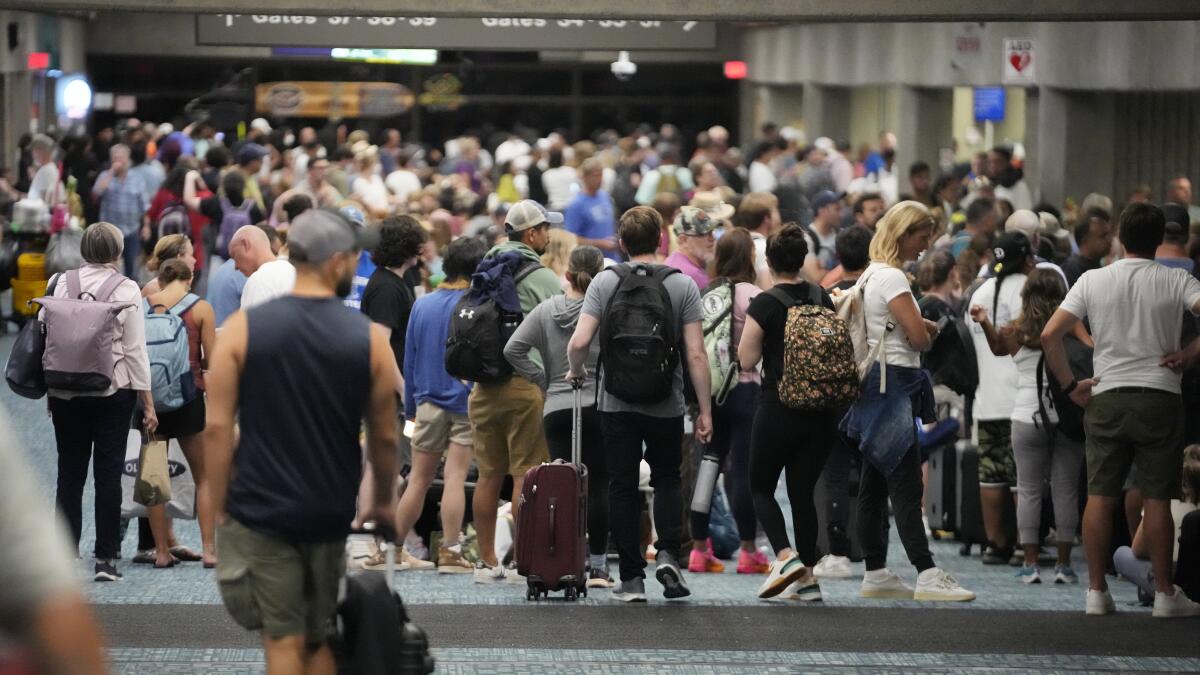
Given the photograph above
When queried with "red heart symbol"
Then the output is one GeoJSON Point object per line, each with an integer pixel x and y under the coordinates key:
{"type": "Point", "coordinates": [1019, 60]}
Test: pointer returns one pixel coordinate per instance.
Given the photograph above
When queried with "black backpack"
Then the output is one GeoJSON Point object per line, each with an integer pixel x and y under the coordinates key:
{"type": "Point", "coordinates": [1070, 415]}
{"type": "Point", "coordinates": [479, 329]}
{"type": "Point", "coordinates": [639, 347]}
{"type": "Point", "coordinates": [951, 359]}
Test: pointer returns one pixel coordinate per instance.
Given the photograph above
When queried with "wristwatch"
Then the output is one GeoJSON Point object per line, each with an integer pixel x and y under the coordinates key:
{"type": "Point", "coordinates": [1070, 387]}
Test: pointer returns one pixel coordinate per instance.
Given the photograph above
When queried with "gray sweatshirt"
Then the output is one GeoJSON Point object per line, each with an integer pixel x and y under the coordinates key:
{"type": "Point", "coordinates": [548, 329]}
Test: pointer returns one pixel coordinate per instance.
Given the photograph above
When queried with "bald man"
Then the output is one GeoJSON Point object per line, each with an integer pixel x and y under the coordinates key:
{"type": "Point", "coordinates": [267, 276]}
{"type": "Point", "coordinates": [228, 281]}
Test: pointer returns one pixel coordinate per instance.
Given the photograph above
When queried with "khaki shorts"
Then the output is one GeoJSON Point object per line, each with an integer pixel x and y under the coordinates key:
{"type": "Point", "coordinates": [507, 418]}
{"type": "Point", "coordinates": [280, 588]}
{"type": "Point", "coordinates": [1143, 430]}
{"type": "Point", "coordinates": [434, 429]}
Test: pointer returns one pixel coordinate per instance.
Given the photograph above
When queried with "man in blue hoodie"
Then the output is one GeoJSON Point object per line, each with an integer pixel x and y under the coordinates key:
{"type": "Point", "coordinates": [436, 403]}
{"type": "Point", "coordinates": [507, 416]}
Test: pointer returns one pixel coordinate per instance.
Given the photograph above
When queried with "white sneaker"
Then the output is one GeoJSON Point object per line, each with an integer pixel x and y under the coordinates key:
{"type": "Point", "coordinates": [781, 575]}
{"type": "Point", "coordinates": [511, 575]}
{"type": "Point", "coordinates": [833, 567]}
{"type": "Point", "coordinates": [1172, 606]}
{"type": "Point", "coordinates": [881, 584]}
{"type": "Point", "coordinates": [1100, 603]}
{"type": "Point", "coordinates": [938, 585]}
{"type": "Point", "coordinates": [488, 575]}
{"type": "Point", "coordinates": [805, 590]}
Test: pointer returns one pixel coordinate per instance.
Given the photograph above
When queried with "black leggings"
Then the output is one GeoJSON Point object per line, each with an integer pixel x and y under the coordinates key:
{"type": "Point", "coordinates": [731, 443]}
{"type": "Point", "coordinates": [558, 437]}
{"type": "Point", "coordinates": [798, 441]}
{"type": "Point", "coordinates": [1187, 567]}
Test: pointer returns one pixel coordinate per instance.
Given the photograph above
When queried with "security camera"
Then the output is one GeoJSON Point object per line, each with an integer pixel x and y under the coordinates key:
{"type": "Point", "coordinates": [623, 69]}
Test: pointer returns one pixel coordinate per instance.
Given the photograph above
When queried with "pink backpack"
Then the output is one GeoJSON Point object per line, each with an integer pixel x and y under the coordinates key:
{"type": "Point", "coordinates": [80, 331]}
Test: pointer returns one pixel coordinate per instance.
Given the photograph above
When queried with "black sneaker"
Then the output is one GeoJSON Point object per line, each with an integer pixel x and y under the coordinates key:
{"type": "Point", "coordinates": [670, 577]}
{"type": "Point", "coordinates": [106, 571]}
{"type": "Point", "coordinates": [598, 578]}
{"type": "Point", "coordinates": [997, 556]}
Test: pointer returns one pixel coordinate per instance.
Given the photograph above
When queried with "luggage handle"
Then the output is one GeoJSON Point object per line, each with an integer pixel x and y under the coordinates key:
{"type": "Point", "coordinates": [553, 511]}
{"type": "Point", "coordinates": [577, 420]}
{"type": "Point", "coordinates": [388, 548]}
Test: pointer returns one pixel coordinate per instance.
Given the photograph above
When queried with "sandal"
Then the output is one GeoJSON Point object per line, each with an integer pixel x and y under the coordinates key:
{"type": "Point", "coordinates": [144, 557]}
{"type": "Point", "coordinates": [174, 562]}
{"type": "Point", "coordinates": [185, 554]}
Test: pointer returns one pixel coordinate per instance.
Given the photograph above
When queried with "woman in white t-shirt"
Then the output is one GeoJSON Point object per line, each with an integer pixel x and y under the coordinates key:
{"type": "Point", "coordinates": [368, 188]}
{"type": "Point", "coordinates": [894, 392]}
{"type": "Point", "coordinates": [1043, 453]}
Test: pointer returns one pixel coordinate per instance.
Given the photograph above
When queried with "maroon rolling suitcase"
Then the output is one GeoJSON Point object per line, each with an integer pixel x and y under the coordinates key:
{"type": "Point", "coordinates": [552, 523]}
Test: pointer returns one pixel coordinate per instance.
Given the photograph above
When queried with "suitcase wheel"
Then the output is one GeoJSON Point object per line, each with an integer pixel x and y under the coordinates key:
{"type": "Point", "coordinates": [533, 590]}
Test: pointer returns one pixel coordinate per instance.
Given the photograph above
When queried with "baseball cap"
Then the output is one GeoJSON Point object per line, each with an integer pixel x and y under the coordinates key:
{"type": "Point", "coordinates": [712, 203]}
{"type": "Point", "coordinates": [693, 222]}
{"type": "Point", "coordinates": [317, 234]}
{"type": "Point", "coordinates": [1176, 213]}
{"type": "Point", "coordinates": [527, 213]}
{"type": "Point", "coordinates": [1051, 226]}
{"type": "Point", "coordinates": [1011, 251]}
{"type": "Point", "coordinates": [1024, 221]}
{"type": "Point", "coordinates": [250, 152]}
{"type": "Point", "coordinates": [822, 199]}
{"type": "Point", "coordinates": [260, 124]}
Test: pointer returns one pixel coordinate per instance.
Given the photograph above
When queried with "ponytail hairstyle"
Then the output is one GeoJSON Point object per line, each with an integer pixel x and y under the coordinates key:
{"type": "Point", "coordinates": [787, 249]}
{"type": "Point", "coordinates": [935, 269]}
{"type": "Point", "coordinates": [584, 264]}
{"type": "Point", "coordinates": [169, 247]}
{"type": "Point", "coordinates": [173, 270]}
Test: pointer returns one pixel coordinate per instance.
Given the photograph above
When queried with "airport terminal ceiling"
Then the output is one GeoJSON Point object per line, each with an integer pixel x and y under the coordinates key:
{"type": "Point", "coordinates": [723, 10]}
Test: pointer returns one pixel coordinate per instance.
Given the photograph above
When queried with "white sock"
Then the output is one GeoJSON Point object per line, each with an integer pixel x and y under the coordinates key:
{"type": "Point", "coordinates": [457, 548]}
{"type": "Point", "coordinates": [599, 562]}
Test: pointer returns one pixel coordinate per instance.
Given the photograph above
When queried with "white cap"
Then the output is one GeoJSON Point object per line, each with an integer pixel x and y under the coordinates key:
{"type": "Point", "coordinates": [824, 143]}
{"type": "Point", "coordinates": [165, 129]}
{"type": "Point", "coordinates": [1024, 221]}
{"type": "Point", "coordinates": [527, 213]}
{"type": "Point", "coordinates": [260, 124]}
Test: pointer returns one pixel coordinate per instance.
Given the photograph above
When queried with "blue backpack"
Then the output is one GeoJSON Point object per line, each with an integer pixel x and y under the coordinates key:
{"type": "Point", "coordinates": [171, 381]}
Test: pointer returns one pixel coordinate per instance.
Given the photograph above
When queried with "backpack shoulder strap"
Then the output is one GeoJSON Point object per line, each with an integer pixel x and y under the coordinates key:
{"type": "Point", "coordinates": [815, 296]}
{"type": "Point", "coordinates": [109, 286]}
{"type": "Point", "coordinates": [786, 300]}
{"type": "Point", "coordinates": [185, 304]}
{"type": "Point", "coordinates": [74, 287]}
{"type": "Point", "coordinates": [525, 270]}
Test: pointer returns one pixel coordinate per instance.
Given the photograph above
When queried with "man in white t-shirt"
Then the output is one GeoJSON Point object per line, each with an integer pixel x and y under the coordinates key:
{"type": "Point", "coordinates": [45, 185]}
{"type": "Point", "coordinates": [1134, 413]}
{"type": "Point", "coordinates": [1001, 297]}
{"type": "Point", "coordinates": [758, 213]}
{"type": "Point", "coordinates": [268, 277]}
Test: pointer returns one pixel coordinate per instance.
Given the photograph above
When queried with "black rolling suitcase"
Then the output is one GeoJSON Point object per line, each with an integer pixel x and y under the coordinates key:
{"type": "Point", "coordinates": [373, 632]}
{"type": "Point", "coordinates": [941, 492]}
{"type": "Point", "coordinates": [969, 511]}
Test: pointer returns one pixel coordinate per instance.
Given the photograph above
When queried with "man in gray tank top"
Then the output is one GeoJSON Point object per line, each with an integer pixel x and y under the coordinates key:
{"type": "Point", "coordinates": [300, 374]}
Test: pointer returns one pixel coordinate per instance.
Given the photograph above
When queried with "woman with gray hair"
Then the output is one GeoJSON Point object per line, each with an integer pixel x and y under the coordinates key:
{"type": "Point", "coordinates": [83, 420]}
{"type": "Point", "coordinates": [548, 329]}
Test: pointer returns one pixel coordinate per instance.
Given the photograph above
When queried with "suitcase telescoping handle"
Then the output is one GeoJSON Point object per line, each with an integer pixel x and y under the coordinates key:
{"type": "Point", "coordinates": [577, 420]}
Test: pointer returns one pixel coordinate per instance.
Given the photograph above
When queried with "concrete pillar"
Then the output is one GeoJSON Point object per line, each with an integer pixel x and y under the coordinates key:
{"type": "Point", "coordinates": [1032, 149]}
{"type": "Point", "coordinates": [1052, 158]}
{"type": "Point", "coordinates": [924, 126]}
{"type": "Point", "coordinates": [825, 111]}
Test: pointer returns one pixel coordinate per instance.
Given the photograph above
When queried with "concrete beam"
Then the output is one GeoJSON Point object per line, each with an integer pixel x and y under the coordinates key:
{"type": "Point", "coordinates": [717, 10]}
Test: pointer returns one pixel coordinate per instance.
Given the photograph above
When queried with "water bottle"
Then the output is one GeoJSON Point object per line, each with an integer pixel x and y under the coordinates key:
{"type": "Point", "coordinates": [706, 480]}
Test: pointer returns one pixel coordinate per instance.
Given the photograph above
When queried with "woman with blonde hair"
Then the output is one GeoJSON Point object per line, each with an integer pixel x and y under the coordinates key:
{"type": "Point", "coordinates": [558, 252]}
{"type": "Point", "coordinates": [894, 392]}
{"type": "Point", "coordinates": [367, 186]}
{"type": "Point", "coordinates": [170, 247]}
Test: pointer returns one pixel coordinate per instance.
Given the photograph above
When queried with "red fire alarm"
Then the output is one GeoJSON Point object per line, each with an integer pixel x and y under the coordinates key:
{"type": "Point", "coordinates": [38, 60]}
{"type": "Point", "coordinates": [735, 70]}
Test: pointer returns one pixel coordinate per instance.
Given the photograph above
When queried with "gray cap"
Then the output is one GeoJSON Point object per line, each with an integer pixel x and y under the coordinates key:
{"type": "Point", "coordinates": [527, 213]}
{"type": "Point", "coordinates": [317, 234]}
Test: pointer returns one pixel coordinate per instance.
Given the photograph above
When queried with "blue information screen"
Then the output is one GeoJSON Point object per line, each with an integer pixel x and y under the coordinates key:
{"type": "Point", "coordinates": [989, 104]}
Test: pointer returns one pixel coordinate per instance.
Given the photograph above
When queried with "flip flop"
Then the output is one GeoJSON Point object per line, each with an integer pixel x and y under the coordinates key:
{"type": "Point", "coordinates": [185, 554]}
{"type": "Point", "coordinates": [174, 562]}
{"type": "Point", "coordinates": [144, 557]}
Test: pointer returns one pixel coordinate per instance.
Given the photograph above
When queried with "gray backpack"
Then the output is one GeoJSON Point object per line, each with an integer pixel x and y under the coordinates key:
{"type": "Point", "coordinates": [80, 331]}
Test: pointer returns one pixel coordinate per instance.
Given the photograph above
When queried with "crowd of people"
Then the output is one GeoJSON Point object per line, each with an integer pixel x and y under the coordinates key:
{"type": "Point", "coordinates": [324, 284]}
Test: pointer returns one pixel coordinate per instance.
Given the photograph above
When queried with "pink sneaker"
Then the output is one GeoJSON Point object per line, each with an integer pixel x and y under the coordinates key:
{"type": "Point", "coordinates": [703, 561]}
{"type": "Point", "coordinates": [752, 563]}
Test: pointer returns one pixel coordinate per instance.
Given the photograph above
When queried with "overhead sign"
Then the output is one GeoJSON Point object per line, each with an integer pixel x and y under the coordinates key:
{"type": "Point", "coordinates": [390, 32]}
{"type": "Point", "coordinates": [1020, 61]}
{"type": "Point", "coordinates": [334, 100]}
{"type": "Point", "coordinates": [989, 104]}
